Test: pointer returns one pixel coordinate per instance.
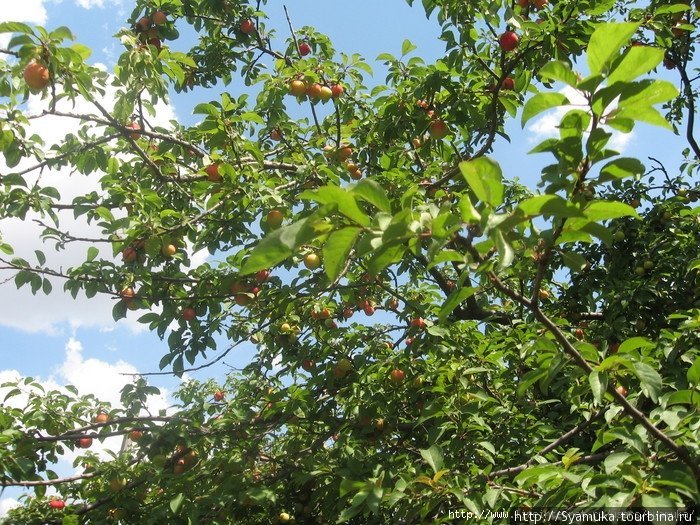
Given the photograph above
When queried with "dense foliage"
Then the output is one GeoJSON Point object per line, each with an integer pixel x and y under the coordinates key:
{"type": "Point", "coordinates": [536, 346]}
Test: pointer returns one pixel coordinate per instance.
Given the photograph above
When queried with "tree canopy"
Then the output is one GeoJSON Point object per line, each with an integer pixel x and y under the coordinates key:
{"type": "Point", "coordinates": [534, 346]}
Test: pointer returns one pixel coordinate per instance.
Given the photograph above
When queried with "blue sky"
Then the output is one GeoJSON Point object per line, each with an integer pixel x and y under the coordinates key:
{"type": "Point", "coordinates": [61, 340]}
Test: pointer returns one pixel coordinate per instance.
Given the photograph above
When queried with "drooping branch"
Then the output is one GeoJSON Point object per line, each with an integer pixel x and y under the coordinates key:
{"type": "Point", "coordinates": [48, 482]}
{"type": "Point", "coordinates": [592, 458]}
{"type": "Point", "coordinates": [82, 431]}
{"type": "Point", "coordinates": [51, 160]}
{"type": "Point", "coordinates": [8, 52]}
{"type": "Point", "coordinates": [680, 451]}
{"type": "Point", "coordinates": [553, 445]}
{"type": "Point", "coordinates": [690, 98]}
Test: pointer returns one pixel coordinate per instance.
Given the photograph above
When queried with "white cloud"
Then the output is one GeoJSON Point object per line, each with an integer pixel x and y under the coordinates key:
{"type": "Point", "coordinates": [9, 375]}
{"type": "Point", "coordinates": [547, 126]}
{"type": "Point", "coordinates": [621, 141]}
{"type": "Point", "coordinates": [102, 379]}
{"type": "Point", "coordinates": [32, 11]}
{"type": "Point", "coordinates": [89, 4]}
{"type": "Point", "coordinates": [6, 504]}
{"type": "Point", "coordinates": [276, 363]}
{"type": "Point", "coordinates": [197, 258]}
{"type": "Point", "coordinates": [89, 375]}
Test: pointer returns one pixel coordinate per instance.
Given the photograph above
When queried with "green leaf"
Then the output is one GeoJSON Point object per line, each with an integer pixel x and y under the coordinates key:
{"type": "Point", "coordinates": [597, 140]}
{"type": "Point", "coordinates": [347, 486]}
{"type": "Point", "coordinates": [354, 508]}
{"type": "Point", "coordinates": [151, 317]}
{"type": "Point", "coordinates": [633, 343]}
{"type": "Point", "coordinates": [104, 213]}
{"type": "Point", "coordinates": [537, 474]}
{"type": "Point", "coordinates": [206, 109]}
{"type": "Point", "coordinates": [574, 261]}
{"type": "Point", "coordinates": [374, 498]}
{"type": "Point", "coordinates": [15, 27]}
{"type": "Point", "coordinates": [278, 246]}
{"type": "Point", "coordinates": [336, 250]}
{"type": "Point", "coordinates": [394, 498]}
{"type": "Point", "coordinates": [19, 40]}
{"type": "Point", "coordinates": [661, 502]}
{"type": "Point", "coordinates": [553, 205]}
{"type": "Point", "coordinates": [251, 116]}
{"type": "Point", "coordinates": [612, 461]}
{"type": "Point", "coordinates": [485, 178]}
{"type": "Point", "coordinates": [542, 102]}
{"type": "Point", "coordinates": [407, 47]}
{"type": "Point", "coordinates": [622, 124]}
{"type": "Point", "coordinates": [605, 44]}
{"type": "Point", "coordinates": [572, 455]}
{"type": "Point", "coordinates": [644, 114]}
{"type": "Point", "coordinates": [84, 51]}
{"type": "Point", "coordinates": [602, 210]}
{"type": "Point", "coordinates": [621, 168]}
{"type": "Point", "coordinates": [119, 310]}
{"type": "Point", "coordinates": [505, 250]}
{"type": "Point", "coordinates": [650, 380]}
{"type": "Point", "coordinates": [370, 191]}
{"type": "Point", "coordinates": [446, 256]}
{"type": "Point", "coordinates": [672, 8]}
{"type": "Point", "coordinates": [344, 200]}
{"type": "Point", "coordinates": [433, 457]}
{"type": "Point", "coordinates": [677, 474]}
{"type": "Point", "coordinates": [467, 210]}
{"type": "Point", "coordinates": [684, 397]}
{"type": "Point", "coordinates": [176, 503]}
{"type": "Point", "coordinates": [560, 71]}
{"type": "Point", "coordinates": [694, 372]}
{"type": "Point", "coordinates": [92, 253]}
{"type": "Point", "coordinates": [647, 93]}
{"type": "Point", "coordinates": [615, 361]}
{"type": "Point", "coordinates": [398, 228]}
{"type": "Point", "coordinates": [386, 255]}
{"type": "Point", "coordinates": [456, 298]}
{"type": "Point", "coordinates": [61, 33]}
{"type": "Point", "coordinates": [637, 61]}
{"type": "Point", "coordinates": [12, 393]}
{"type": "Point", "coordinates": [165, 361]}
{"type": "Point", "coordinates": [599, 384]}
{"type": "Point", "coordinates": [491, 497]}
{"type": "Point", "coordinates": [261, 494]}
{"type": "Point", "coordinates": [529, 379]}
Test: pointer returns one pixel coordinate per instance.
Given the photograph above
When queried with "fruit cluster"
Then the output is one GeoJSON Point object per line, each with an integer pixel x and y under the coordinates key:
{"type": "Point", "coordinates": [148, 29]}
{"type": "Point", "coordinates": [315, 91]}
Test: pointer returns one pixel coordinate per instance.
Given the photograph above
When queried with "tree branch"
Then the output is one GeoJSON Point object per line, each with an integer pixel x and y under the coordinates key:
{"type": "Point", "coordinates": [688, 89]}
{"type": "Point", "coordinates": [555, 444]}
